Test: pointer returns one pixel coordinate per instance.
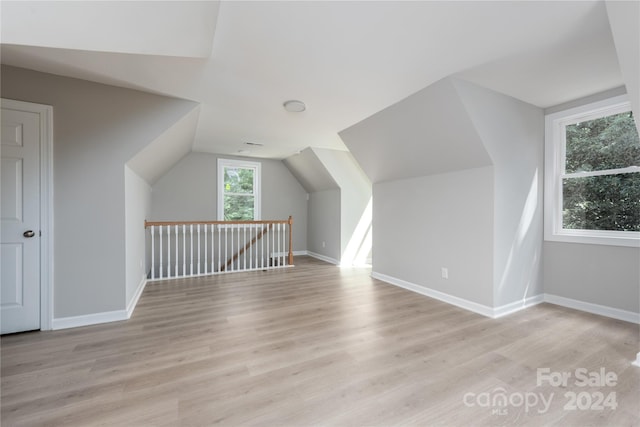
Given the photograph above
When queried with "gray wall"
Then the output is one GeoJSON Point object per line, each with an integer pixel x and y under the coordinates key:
{"type": "Point", "coordinates": [423, 224]}
{"type": "Point", "coordinates": [597, 274]}
{"type": "Point", "coordinates": [188, 192]}
{"type": "Point", "coordinates": [513, 134]}
{"type": "Point", "coordinates": [137, 209]}
{"type": "Point", "coordinates": [324, 223]}
{"type": "Point", "coordinates": [97, 129]}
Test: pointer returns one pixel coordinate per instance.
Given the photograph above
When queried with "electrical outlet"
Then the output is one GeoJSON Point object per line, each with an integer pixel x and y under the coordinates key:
{"type": "Point", "coordinates": [445, 272]}
{"type": "Point", "coordinates": [323, 244]}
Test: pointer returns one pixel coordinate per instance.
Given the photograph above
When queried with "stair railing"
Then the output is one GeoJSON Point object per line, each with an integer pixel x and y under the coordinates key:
{"type": "Point", "coordinates": [197, 248]}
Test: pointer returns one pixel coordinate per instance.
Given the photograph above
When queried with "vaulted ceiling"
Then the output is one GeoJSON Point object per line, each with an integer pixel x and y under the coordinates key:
{"type": "Point", "coordinates": [345, 60]}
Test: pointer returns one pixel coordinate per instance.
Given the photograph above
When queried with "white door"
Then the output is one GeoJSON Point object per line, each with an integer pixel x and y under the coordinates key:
{"type": "Point", "coordinates": [20, 208]}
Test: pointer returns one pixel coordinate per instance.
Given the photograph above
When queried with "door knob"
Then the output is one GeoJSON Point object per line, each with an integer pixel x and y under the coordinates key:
{"type": "Point", "coordinates": [29, 233]}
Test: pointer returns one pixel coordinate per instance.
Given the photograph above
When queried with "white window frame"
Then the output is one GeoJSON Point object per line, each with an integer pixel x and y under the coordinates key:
{"type": "Point", "coordinates": [257, 178]}
{"type": "Point", "coordinates": [555, 151]}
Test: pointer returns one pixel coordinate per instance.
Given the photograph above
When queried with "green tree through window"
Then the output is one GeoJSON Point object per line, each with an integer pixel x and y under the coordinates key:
{"type": "Point", "coordinates": [239, 199]}
{"type": "Point", "coordinates": [238, 190]}
{"type": "Point", "coordinates": [600, 187]}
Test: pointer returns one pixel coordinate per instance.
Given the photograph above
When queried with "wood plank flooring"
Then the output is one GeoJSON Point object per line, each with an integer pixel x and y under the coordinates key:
{"type": "Point", "coordinates": [314, 345]}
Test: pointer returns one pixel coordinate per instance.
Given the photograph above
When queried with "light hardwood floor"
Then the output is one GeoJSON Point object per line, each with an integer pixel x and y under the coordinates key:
{"type": "Point", "coordinates": [314, 345]}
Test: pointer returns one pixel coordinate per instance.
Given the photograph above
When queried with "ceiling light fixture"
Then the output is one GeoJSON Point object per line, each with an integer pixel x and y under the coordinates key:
{"type": "Point", "coordinates": [294, 106]}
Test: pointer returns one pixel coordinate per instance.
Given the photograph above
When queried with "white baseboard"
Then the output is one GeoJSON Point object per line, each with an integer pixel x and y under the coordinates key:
{"type": "Point", "coordinates": [295, 253]}
{"type": "Point", "coordinates": [510, 308]}
{"type": "Point", "coordinates": [441, 296]}
{"type": "Point", "coordinates": [323, 258]}
{"type": "Point", "coordinates": [602, 310]}
{"type": "Point", "coordinates": [104, 317]}
{"type": "Point", "coordinates": [89, 319]}
{"type": "Point", "coordinates": [492, 312]}
{"type": "Point", "coordinates": [134, 301]}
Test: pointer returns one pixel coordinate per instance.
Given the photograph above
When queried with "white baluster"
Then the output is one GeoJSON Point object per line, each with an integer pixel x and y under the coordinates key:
{"type": "Point", "coordinates": [284, 245]}
{"type": "Point", "coordinates": [175, 229]}
{"type": "Point", "coordinates": [252, 230]}
{"type": "Point", "coordinates": [184, 250]}
{"type": "Point", "coordinates": [273, 245]}
{"type": "Point", "coordinates": [284, 226]}
{"type": "Point", "coordinates": [153, 252]}
{"type": "Point", "coordinates": [191, 251]}
{"type": "Point", "coordinates": [198, 248]}
{"type": "Point", "coordinates": [279, 251]}
{"type": "Point", "coordinates": [237, 267]}
{"type": "Point", "coordinates": [225, 246]}
{"type": "Point", "coordinates": [168, 251]}
{"type": "Point", "coordinates": [244, 230]}
{"type": "Point", "coordinates": [205, 250]}
{"type": "Point", "coordinates": [219, 248]}
{"type": "Point", "coordinates": [160, 251]}
{"type": "Point", "coordinates": [212, 248]}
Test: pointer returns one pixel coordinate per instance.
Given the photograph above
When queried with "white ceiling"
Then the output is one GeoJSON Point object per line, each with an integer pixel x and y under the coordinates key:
{"type": "Point", "coordinates": [345, 60]}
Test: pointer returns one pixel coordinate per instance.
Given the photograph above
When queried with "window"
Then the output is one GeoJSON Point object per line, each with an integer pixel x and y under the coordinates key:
{"type": "Point", "coordinates": [238, 190]}
{"type": "Point", "coordinates": [592, 180]}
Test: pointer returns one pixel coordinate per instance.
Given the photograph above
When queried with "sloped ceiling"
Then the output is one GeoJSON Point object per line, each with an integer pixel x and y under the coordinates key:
{"type": "Point", "coordinates": [310, 171]}
{"type": "Point", "coordinates": [165, 151]}
{"type": "Point", "coordinates": [345, 60]}
{"type": "Point", "coordinates": [588, 46]}
{"type": "Point", "coordinates": [625, 25]}
{"type": "Point", "coordinates": [427, 133]}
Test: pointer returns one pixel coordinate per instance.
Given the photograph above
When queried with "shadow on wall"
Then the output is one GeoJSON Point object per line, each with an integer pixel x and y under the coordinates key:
{"type": "Point", "coordinates": [358, 250]}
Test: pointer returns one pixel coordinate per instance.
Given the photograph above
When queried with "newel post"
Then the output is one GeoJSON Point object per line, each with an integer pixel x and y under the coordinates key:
{"type": "Point", "coordinates": [290, 221]}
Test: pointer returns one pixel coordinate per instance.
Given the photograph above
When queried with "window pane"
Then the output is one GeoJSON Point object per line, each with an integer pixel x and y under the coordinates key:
{"type": "Point", "coordinates": [238, 180]}
{"type": "Point", "coordinates": [238, 208]}
{"type": "Point", "coordinates": [609, 142]}
{"type": "Point", "coordinates": [607, 202]}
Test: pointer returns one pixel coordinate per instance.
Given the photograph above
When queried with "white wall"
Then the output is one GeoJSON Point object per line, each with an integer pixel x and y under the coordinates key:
{"type": "Point", "coordinates": [97, 129]}
{"type": "Point", "coordinates": [426, 133]}
{"type": "Point", "coordinates": [137, 209]}
{"type": "Point", "coordinates": [513, 133]}
{"type": "Point", "coordinates": [454, 126]}
{"type": "Point", "coordinates": [187, 192]}
{"type": "Point", "coordinates": [423, 224]}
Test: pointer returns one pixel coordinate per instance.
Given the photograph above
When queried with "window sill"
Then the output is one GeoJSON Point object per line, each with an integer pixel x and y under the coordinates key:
{"type": "Point", "coordinates": [626, 239]}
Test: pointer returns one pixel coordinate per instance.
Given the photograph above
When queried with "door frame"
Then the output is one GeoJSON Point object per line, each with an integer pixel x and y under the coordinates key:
{"type": "Point", "coordinates": [46, 204]}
